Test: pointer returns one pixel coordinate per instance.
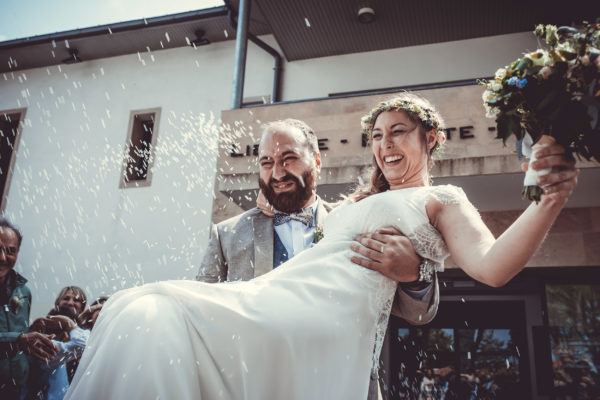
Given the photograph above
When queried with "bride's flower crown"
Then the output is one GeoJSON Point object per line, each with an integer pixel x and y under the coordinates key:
{"type": "Point", "coordinates": [429, 117]}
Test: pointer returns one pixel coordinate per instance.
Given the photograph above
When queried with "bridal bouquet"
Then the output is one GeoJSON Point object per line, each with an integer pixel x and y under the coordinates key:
{"type": "Point", "coordinates": [550, 95]}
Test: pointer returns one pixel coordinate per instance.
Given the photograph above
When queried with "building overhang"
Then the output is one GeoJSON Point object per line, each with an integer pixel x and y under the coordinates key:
{"type": "Point", "coordinates": [302, 29]}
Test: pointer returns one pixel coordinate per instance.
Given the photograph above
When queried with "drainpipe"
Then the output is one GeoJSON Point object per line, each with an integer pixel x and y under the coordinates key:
{"type": "Point", "coordinates": [277, 59]}
{"type": "Point", "coordinates": [241, 47]}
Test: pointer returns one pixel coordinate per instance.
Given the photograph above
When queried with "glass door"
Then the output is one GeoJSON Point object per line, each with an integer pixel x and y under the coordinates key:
{"type": "Point", "coordinates": [471, 350]}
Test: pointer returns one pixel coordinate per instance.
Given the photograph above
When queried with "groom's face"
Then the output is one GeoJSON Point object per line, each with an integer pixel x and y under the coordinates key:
{"type": "Point", "coordinates": [288, 169]}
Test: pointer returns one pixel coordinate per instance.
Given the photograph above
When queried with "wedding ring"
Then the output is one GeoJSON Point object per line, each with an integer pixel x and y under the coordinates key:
{"type": "Point", "coordinates": [381, 251]}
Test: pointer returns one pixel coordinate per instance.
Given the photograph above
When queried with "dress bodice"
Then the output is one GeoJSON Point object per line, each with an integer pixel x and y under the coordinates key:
{"type": "Point", "coordinates": [404, 209]}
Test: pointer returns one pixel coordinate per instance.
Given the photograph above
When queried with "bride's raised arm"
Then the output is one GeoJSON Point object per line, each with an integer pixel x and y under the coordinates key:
{"type": "Point", "coordinates": [496, 261]}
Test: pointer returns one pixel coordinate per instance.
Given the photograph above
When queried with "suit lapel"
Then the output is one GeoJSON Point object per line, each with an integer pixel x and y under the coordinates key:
{"type": "Point", "coordinates": [321, 212]}
{"type": "Point", "coordinates": [263, 245]}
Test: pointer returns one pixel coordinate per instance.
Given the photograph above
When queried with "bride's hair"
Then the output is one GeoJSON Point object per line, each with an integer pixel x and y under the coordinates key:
{"type": "Point", "coordinates": [420, 111]}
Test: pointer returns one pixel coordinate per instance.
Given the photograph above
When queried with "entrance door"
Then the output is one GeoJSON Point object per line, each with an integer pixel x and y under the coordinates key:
{"type": "Point", "coordinates": [472, 349]}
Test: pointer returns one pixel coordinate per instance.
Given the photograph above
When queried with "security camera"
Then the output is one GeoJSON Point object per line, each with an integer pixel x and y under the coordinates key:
{"type": "Point", "coordinates": [366, 15]}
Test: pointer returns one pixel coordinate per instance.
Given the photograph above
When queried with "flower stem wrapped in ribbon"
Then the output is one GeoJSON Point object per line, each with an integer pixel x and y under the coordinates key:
{"type": "Point", "coordinates": [531, 190]}
{"type": "Point", "coordinates": [553, 93]}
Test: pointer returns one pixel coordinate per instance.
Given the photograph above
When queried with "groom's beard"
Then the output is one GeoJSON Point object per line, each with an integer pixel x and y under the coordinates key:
{"type": "Point", "coordinates": [292, 201]}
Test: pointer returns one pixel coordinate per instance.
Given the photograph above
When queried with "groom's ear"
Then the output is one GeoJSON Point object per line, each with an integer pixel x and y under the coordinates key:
{"type": "Point", "coordinates": [318, 162]}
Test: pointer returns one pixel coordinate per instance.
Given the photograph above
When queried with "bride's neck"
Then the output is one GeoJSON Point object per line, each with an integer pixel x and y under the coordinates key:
{"type": "Point", "coordinates": [417, 180]}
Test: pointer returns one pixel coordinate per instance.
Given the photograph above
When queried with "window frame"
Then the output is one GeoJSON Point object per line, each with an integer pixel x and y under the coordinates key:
{"type": "Point", "coordinates": [13, 156]}
{"type": "Point", "coordinates": [123, 182]}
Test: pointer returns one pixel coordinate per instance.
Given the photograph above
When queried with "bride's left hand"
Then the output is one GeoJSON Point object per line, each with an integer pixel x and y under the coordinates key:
{"type": "Point", "coordinates": [562, 179]}
{"type": "Point", "coordinates": [388, 252]}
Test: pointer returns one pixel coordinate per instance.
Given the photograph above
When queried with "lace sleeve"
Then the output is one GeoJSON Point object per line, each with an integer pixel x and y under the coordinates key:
{"type": "Point", "coordinates": [450, 194]}
{"type": "Point", "coordinates": [426, 239]}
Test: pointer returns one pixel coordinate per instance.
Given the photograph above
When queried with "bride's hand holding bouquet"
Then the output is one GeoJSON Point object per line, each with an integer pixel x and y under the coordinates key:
{"type": "Point", "coordinates": [550, 96]}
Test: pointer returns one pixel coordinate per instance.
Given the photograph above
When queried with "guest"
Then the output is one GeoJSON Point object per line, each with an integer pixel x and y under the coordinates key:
{"type": "Point", "coordinates": [88, 317]}
{"type": "Point", "coordinates": [50, 380]}
{"type": "Point", "coordinates": [15, 299]}
{"type": "Point", "coordinates": [70, 302]}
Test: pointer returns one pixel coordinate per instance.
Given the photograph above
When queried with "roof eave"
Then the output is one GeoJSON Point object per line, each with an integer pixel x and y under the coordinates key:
{"type": "Point", "coordinates": [116, 27]}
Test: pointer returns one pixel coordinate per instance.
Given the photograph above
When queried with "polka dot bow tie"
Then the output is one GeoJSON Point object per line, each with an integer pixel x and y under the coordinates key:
{"type": "Point", "coordinates": [306, 216]}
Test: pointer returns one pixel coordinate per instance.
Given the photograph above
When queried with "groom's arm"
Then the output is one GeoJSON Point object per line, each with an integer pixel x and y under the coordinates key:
{"type": "Point", "coordinates": [418, 310]}
{"type": "Point", "coordinates": [214, 266]}
{"type": "Point", "coordinates": [391, 253]}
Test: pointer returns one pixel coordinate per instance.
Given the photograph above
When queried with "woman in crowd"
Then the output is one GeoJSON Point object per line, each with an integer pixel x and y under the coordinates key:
{"type": "Point", "coordinates": [313, 328]}
{"type": "Point", "coordinates": [50, 381]}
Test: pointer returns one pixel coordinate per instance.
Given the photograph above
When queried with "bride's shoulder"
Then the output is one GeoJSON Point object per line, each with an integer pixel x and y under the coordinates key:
{"type": "Point", "coordinates": [448, 194]}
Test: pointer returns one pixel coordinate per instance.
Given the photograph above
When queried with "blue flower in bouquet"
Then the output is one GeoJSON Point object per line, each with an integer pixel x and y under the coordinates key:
{"type": "Point", "coordinates": [521, 83]}
{"type": "Point", "coordinates": [513, 81]}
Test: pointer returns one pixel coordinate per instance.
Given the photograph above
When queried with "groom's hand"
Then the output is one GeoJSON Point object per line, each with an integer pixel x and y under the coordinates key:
{"type": "Point", "coordinates": [388, 252]}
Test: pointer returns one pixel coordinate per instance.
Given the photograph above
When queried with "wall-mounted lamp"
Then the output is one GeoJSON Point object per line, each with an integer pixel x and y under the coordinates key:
{"type": "Point", "coordinates": [74, 58]}
{"type": "Point", "coordinates": [366, 15]}
{"type": "Point", "coordinates": [200, 39]}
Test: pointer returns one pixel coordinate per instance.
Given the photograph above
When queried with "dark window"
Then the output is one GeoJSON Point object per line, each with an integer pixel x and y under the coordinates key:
{"type": "Point", "coordinates": [140, 145]}
{"type": "Point", "coordinates": [9, 133]}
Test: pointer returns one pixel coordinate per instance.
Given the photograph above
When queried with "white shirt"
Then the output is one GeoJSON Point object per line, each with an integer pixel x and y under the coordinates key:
{"type": "Point", "coordinates": [295, 236]}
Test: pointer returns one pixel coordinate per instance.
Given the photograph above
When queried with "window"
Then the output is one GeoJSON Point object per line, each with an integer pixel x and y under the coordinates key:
{"type": "Point", "coordinates": [140, 144]}
{"type": "Point", "coordinates": [10, 129]}
{"type": "Point", "coordinates": [574, 319]}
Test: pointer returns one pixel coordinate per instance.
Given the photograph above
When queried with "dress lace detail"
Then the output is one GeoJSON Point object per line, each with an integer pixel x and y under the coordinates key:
{"type": "Point", "coordinates": [448, 194]}
{"type": "Point", "coordinates": [383, 301]}
{"type": "Point", "coordinates": [429, 243]}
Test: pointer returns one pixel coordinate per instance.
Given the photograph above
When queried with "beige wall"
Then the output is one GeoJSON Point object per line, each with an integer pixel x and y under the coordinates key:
{"type": "Point", "coordinates": [573, 241]}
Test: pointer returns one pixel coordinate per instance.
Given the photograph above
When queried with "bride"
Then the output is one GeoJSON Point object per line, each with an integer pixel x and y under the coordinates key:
{"type": "Point", "coordinates": [308, 330]}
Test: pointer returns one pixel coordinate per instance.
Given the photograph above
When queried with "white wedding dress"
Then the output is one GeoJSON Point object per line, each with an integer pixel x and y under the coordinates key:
{"type": "Point", "coordinates": [310, 329]}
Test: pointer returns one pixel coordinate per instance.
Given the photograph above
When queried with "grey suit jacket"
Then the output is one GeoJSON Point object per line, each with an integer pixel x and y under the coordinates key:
{"type": "Point", "coordinates": [241, 248]}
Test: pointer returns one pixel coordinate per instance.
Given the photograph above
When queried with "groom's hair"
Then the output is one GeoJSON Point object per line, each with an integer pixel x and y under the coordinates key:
{"type": "Point", "coordinates": [284, 124]}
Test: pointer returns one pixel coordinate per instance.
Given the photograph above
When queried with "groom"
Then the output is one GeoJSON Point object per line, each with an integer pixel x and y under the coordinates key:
{"type": "Point", "coordinates": [252, 244]}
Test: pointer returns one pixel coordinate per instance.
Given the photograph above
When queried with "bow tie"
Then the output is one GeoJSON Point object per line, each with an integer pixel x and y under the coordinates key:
{"type": "Point", "coordinates": [306, 216]}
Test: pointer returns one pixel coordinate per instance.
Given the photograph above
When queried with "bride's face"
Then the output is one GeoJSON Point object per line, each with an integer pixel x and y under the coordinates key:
{"type": "Point", "coordinates": [400, 149]}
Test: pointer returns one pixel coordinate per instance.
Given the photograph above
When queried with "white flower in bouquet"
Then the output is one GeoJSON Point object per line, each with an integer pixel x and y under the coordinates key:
{"type": "Point", "coordinates": [500, 74]}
